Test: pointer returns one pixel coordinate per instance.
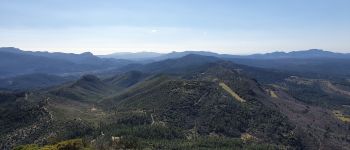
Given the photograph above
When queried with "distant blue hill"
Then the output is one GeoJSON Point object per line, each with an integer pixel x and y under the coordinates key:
{"type": "Point", "coordinates": [14, 61]}
{"type": "Point", "coordinates": [33, 81]}
{"type": "Point", "coordinates": [312, 53]}
{"type": "Point", "coordinates": [305, 61]}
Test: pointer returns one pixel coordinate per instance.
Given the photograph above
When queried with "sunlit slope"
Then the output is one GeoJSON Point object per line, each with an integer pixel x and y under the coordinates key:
{"type": "Point", "coordinates": [199, 101]}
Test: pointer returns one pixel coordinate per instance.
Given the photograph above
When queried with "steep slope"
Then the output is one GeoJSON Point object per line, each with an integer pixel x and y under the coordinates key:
{"type": "Point", "coordinates": [87, 88]}
{"type": "Point", "coordinates": [33, 81]}
{"type": "Point", "coordinates": [127, 79]}
{"type": "Point", "coordinates": [316, 91]}
{"type": "Point", "coordinates": [91, 88]}
{"type": "Point", "coordinates": [218, 100]}
{"type": "Point", "coordinates": [28, 118]}
{"type": "Point", "coordinates": [194, 102]}
{"type": "Point", "coordinates": [320, 127]}
{"type": "Point", "coordinates": [19, 119]}
{"type": "Point", "coordinates": [201, 106]}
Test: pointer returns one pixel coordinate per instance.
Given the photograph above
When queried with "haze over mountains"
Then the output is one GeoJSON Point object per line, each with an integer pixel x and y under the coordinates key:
{"type": "Point", "coordinates": [312, 53]}
{"type": "Point", "coordinates": [15, 62]}
{"type": "Point", "coordinates": [191, 90]}
{"type": "Point", "coordinates": [179, 100]}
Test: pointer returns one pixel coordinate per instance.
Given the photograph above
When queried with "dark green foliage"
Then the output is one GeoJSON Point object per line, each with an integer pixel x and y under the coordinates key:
{"type": "Point", "coordinates": [142, 131]}
{"type": "Point", "coordinates": [27, 147]}
{"type": "Point", "coordinates": [183, 107]}
{"type": "Point", "coordinates": [272, 126]}
{"type": "Point", "coordinates": [134, 119]}
{"type": "Point", "coordinates": [73, 144]}
{"type": "Point", "coordinates": [126, 79]}
{"type": "Point", "coordinates": [199, 143]}
{"type": "Point", "coordinates": [19, 113]}
{"type": "Point", "coordinates": [139, 125]}
{"type": "Point", "coordinates": [314, 94]}
{"type": "Point", "coordinates": [72, 129]}
{"type": "Point", "coordinates": [33, 81]}
{"type": "Point", "coordinates": [8, 97]}
{"type": "Point", "coordinates": [87, 88]}
{"type": "Point", "coordinates": [204, 107]}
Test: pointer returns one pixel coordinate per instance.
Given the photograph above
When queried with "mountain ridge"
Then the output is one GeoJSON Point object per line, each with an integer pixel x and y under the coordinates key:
{"type": "Point", "coordinates": [14, 62]}
{"type": "Point", "coordinates": [194, 101]}
{"type": "Point", "coordinates": [311, 53]}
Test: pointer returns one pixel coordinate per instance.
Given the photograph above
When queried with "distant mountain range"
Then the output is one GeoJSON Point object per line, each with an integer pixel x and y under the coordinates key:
{"type": "Point", "coordinates": [14, 61]}
{"type": "Point", "coordinates": [191, 102]}
{"type": "Point", "coordinates": [312, 53]}
{"type": "Point", "coordinates": [43, 67]}
{"type": "Point", "coordinates": [305, 61]}
{"type": "Point", "coordinates": [32, 81]}
{"type": "Point", "coordinates": [89, 58]}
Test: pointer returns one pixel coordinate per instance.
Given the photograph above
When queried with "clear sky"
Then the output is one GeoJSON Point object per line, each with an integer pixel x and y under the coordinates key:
{"type": "Point", "coordinates": [224, 26]}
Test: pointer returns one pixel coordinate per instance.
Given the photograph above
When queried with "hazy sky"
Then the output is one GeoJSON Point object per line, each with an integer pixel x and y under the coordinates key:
{"type": "Point", "coordinates": [224, 26]}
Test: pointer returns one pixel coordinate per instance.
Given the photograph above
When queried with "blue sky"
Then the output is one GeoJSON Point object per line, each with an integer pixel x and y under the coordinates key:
{"type": "Point", "coordinates": [223, 26]}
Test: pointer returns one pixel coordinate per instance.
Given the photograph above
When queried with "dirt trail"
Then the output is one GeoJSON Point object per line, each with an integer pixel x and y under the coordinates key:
{"type": "Point", "coordinates": [152, 119]}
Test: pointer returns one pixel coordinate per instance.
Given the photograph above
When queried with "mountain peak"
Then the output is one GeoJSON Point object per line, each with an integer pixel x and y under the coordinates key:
{"type": "Point", "coordinates": [89, 82]}
{"type": "Point", "coordinates": [316, 50]}
{"type": "Point", "coordinates": [10, 49]}
{"type": "Point", "coordinates": [312, 51]}
{"type": "Point", "coordinates": [87, 54]}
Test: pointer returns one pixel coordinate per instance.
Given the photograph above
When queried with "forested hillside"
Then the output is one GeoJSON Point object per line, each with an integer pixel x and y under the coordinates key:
{"type": "Point", "coordinates": [193, 102]}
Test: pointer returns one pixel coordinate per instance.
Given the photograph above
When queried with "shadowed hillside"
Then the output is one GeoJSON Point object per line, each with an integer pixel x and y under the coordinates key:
{"type": "Point", "coordinates": [187, 103]}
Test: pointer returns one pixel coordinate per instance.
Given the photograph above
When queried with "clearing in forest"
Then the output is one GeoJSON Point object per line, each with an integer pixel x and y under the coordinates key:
{"type": "Point", "coordinates": [231, 92]}
{"type": "Point", "coordinates": [273, 94]}
{"type": "Point", "coordinates": [341, 116]}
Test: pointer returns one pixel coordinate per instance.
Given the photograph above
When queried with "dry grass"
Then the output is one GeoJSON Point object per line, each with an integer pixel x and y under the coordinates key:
{"type": "Point", "coordinates": [341, 116]}
{"type": "Point", "coordinates": [273, 94]}
{"type": "Point", "coordinates": [231, 92]}
{"type": "Point", "coordinates": [247, 137]}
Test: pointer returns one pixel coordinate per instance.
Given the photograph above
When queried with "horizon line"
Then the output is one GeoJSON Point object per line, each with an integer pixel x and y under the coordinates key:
{"type": "Point", "coordinates": [172, 51]}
